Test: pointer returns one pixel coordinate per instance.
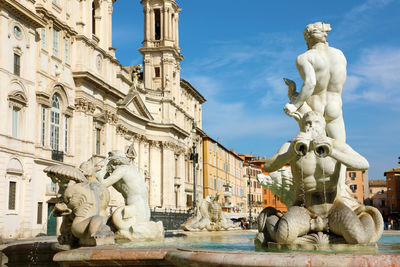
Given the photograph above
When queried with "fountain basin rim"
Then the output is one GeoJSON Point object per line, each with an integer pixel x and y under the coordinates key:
{"type": "Point", "coordinates": [183, 256]}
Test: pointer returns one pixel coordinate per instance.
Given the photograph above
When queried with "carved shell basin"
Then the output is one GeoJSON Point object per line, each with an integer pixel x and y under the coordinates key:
{"type": "Point", "coordinates": [66, 172]}
{"type": "Point", "coordinates": [322, 241]}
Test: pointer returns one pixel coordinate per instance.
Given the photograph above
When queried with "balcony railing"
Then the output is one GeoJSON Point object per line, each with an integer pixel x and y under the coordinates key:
{"type": "Point", "coordinates": [57, 155]}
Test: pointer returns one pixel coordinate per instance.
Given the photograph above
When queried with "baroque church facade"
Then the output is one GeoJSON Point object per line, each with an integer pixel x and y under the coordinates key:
{"type": "Point", "coordinates": [64, 97]}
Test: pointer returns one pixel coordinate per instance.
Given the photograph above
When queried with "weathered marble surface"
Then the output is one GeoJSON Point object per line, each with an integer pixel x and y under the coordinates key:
{"type": "Point", "coordinates": [209, 216]}
{"type": "Point", "coordinates": [280, 183]}
{"type": "Point", "coordinates": [82, 206]}
{"type": "Point", "coordinates": [318, 156]}
{"type": "Point", "coordinates": [131, 221]}
{"type": "Point", "coordinates": [201, 257]}
{"type": "Point", "coordinates": [84, 201]}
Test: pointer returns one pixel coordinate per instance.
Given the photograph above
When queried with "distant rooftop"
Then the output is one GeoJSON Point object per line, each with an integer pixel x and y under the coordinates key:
{"type": "Point", "coordinates": [377, 183]}
{"type": "Point", "coordinates": [395, 170]}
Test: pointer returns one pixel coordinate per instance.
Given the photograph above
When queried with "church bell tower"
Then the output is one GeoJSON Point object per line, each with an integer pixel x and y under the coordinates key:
{"type": "Point", "coordinates": [161, 52]}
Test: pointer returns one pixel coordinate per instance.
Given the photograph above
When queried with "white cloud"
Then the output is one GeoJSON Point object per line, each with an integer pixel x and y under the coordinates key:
{"type": "Point", "coordinates": [206, 85]}
{"type": "Point", "coordinates": [357, 19]}
{"type": "Point", "coordinates": [375, 77]}
{"type": "Point", "coordinates": [234, 119]}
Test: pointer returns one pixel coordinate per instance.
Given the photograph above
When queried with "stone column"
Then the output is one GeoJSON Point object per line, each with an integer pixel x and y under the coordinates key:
{"type": "Point", "coordinates": [147, 23]}
{"type": "Point", "coordinates": [110, 12]}
{"type": "Point", "coordinates": [152, 24]}
{"type": "Point", "coordinates": [168, 178]}
{"type": "Point", "coordinates": [182, 198]}
{"type": "Point", "coordinates": [170, 24]}
{"type": "Point", "coordinates": [155, 172]}
{"type": "Point", "coordinates": [177, 30]}
{"type": "Point", "coordinates": [162, 24]}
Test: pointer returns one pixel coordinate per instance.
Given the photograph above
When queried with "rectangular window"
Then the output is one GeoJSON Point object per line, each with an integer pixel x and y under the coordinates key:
{"type": "Point", "coordinates": [93, 18]}
{"type": "Point", "coordinates": [12, 195]}
{"type": "Point", "coordinates": [43, 126]}
{"type": "Point", "coordinates": [66, 41]}
{"type": "Point", "coordinates": [66, 133]}
{"type": "Point", "coordinates": [43, 38]}
{"type": "Point", "coordinates": [39, 212]}
{"type": "Point", "coordinates": [352, 175]}
{"type": "Point", "coordinates": [157, 24]}
{"type": "Point", "coordinates": [17, 64]}
{"type": "Point", "coordinates": [157, 73]}
{"type": "Point", "coordinates": [98, 136]}
{"type": "Point", "coordinates": [54, 130]}
{"type": "Point", "coordinates": [15, 122]}
{"type": "Point", "coordinates": [55, 42]}
{"type": "Point", "coordinates": [353, 188]}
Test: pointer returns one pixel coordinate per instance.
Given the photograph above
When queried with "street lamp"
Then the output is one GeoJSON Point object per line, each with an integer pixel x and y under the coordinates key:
{"type": "Point", "coordinates": [249, 184]}
{"type": "Point", "coordinates": [194, 157]}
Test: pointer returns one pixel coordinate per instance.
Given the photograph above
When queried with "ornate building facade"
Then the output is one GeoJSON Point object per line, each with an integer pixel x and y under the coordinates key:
{"type": "Point", "coordinates": [65, 97]}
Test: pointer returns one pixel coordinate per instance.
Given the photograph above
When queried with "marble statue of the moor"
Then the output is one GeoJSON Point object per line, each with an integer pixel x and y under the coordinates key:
{"type": "Point", "coordinates": [323, 209]}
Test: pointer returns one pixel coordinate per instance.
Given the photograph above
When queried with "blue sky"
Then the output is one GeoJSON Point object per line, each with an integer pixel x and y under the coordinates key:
{"type": "Point", "coordinates": [237, 52]}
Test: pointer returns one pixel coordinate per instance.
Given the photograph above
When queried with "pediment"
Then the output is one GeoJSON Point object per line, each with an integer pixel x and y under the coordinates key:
{"type": "Point", "coordinates": [18, 98]}
{"type": "Point", "coordinates": [134, 105]}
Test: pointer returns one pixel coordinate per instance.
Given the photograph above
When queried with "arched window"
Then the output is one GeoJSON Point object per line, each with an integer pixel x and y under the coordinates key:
{"type": "Point", "coordinates": [55, 122]}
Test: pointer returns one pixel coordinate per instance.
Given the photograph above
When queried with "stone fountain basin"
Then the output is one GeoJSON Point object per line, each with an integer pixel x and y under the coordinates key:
{"type": "Point", "coordinates": [109, 256]}
{"type": "Point", "coordinates": [172, 252]}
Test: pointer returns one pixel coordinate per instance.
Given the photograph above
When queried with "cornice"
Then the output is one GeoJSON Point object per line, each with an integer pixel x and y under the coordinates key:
{"type": "Point", "coordinates": [177, 54]}
{"type": "Point", "coordinates": [23, 13]}
{"type": "Point", "coordinates": [43, 98]}
{"type": "Point", "coordinates": [95, 45]}
{"type": "Point", "coordinates": [58, 23]}
{"type": "Point", "coordinates": [80, 76]}
{"type": "Point", "coordinates": [87, 97]}
{"type": "Point", "coordinates": [185, 84]}
{"type": "Point", "coordinates": [169, 126]}
{"type": "Point", "coordinates": [168, 100]}
{"type": "Point", "coordinates": [121, 76]}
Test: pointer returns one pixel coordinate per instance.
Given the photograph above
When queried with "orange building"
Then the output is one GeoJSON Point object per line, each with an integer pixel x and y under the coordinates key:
{"type": "Point", "coordinates": [356, 180]}
{"type": "Point", "coordinates": [393, 191]}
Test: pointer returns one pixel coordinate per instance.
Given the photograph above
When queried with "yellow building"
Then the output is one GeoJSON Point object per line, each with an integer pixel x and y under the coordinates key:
{"type": "Point", "coordinates": [223, 174]}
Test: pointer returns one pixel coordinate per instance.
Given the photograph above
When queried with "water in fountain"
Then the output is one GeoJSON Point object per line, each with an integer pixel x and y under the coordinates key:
{"type": "Point", "coordinates": [323, 179]}
{"type": "Point", "coordinates": [302, 182]}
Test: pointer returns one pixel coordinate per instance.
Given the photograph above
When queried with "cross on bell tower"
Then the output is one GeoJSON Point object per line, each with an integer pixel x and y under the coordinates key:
{"type": "Point", "coordinates": [161, 52]}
